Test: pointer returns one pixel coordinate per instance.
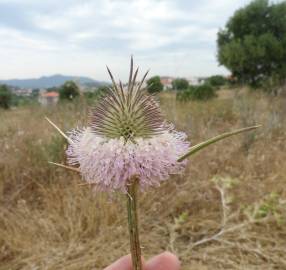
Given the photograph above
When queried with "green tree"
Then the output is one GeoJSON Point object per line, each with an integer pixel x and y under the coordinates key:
{"type": "Point", "coordinates": [5, 97]}
{"type": "Point", "coordinates": [216, 80]}
{"type": "Point", "coordinates": [154, 85]}
{"type": "Point", "coordinates": [69, 90]}
{"type": "Point", "coordinates": [253, 43]}
{"type": "Point", "coordinates": [180, 84]}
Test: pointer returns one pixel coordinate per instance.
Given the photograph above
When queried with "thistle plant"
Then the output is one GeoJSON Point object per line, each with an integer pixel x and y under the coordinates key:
{"type": "Point", "coordinates": [129, 147]}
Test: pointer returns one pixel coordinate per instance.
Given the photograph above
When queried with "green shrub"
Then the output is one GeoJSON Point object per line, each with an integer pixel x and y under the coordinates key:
{"type": "Point", "coordinates": [217, 80]}
{"type": "Point", "coordinates": [200, 92]}
{"type": "Point", "coordinates": [5, 97]}
{"type": "Point", "coordinates": [184, 95]}
{"type": "Point", "coordinates": [154, 85]}
{"type": "Point", "coordinates": [180, 84]}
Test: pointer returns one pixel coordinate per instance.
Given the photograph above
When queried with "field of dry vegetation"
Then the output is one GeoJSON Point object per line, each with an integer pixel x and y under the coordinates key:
{"type": "Point", "coordinates": [228, 211]}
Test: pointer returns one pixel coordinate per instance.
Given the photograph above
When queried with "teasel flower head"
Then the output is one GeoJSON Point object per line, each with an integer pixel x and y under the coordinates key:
{"type": "Point", "coordinates": [127, 145]}
{"type": "Point", "coordinates": [127, 137]}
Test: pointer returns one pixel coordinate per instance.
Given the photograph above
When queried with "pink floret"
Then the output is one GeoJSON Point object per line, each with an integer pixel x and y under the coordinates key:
{"type": "Point", "coordinates": [110, 163]}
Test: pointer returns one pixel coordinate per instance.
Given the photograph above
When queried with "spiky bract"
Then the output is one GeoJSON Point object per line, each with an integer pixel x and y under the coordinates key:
{"type": "Point", "coordinates": [127, 111]}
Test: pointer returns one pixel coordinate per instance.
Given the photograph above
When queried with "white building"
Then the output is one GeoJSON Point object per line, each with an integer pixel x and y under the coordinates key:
{"type": "Point", "coordinates": [167, 82]}
{"type": "Point", "coordinates": [195, 80]}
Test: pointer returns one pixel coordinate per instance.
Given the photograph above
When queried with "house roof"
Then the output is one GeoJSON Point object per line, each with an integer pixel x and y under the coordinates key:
{"type": "Point", "coordinates": [50, 94]}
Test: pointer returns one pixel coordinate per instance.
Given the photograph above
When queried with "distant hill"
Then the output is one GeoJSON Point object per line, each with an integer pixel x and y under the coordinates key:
{"type": "Point", "coordinates": [51, 81]}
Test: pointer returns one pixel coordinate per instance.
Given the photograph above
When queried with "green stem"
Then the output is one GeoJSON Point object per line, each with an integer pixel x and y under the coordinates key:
{"type": "Point", "coordinates": [202, 145]}
{"type": "Point", "coordinates": [133, 225]}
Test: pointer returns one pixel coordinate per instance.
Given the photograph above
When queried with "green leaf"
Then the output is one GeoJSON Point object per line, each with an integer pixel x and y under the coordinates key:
{"type": "Point", "coordinates": [202, 145]}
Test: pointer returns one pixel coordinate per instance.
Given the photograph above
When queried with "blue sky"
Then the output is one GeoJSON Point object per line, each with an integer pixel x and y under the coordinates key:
{"type": "Point", "coordinates": [76, 37]}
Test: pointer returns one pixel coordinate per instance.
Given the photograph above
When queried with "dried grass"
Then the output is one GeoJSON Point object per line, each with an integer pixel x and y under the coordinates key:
{"type": "Point", "coordinates": [226, 212]}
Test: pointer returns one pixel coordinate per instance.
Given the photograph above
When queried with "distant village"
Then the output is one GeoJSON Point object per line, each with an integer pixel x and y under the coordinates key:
{"type": "Point", "coordinates": [48, 96]}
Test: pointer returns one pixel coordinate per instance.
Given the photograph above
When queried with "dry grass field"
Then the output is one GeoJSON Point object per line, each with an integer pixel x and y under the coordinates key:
{"type": "Point", "coordinates": [228, 211]}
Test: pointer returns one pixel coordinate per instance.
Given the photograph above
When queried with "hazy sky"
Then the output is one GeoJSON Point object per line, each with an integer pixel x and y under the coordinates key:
{"type": "Point", "coordinates": [76, 37]}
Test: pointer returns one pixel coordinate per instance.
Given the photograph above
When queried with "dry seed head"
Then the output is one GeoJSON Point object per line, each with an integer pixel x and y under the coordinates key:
{"type": "Point", "coordinates": [127, 111]}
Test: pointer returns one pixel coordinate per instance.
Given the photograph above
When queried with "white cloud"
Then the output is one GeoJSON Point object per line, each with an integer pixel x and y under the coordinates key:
{"type": "Point", "coordinates": [80, 37]}
{"type": "Point", "coordinates": [14, 39]}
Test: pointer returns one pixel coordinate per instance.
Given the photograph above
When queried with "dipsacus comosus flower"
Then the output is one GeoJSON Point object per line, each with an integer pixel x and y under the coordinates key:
{"type": "Point", "coordinates": [127, 137]}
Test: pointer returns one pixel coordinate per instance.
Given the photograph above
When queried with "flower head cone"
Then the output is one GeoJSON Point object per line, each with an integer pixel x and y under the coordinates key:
{"type": "Point", "coordinates": [127, 138]}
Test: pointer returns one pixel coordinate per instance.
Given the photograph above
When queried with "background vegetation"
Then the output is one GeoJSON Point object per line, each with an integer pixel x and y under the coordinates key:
{"type": "Point", "coordinates": [5, 97]}
{"type": "Point", "coordinates": [180, 84]}
{"type": "Point", "coordinates": [253, 43]}
{"type": "Point", "coordinates": [226, 212]}
{"type": "Point", "coordinates": [69, 90]}
{"type": "Point", "coordinates": [154, 85]}
{"type": "Point", "coordinates": [200, 92]}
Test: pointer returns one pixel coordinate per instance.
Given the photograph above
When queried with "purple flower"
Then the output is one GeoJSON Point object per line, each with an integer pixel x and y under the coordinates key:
{"type": "Point", "coordinates": [127, 138]}
{"type": "Point", "coordinates": [111, 163]}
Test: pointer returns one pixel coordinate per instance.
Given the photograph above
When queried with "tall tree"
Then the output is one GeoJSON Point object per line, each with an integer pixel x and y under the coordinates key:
{"type": "Point", "coordinates": [253, 43]}
{"type": "Point", "coordinates": [69, 90]}
{"type": "Point", "coordinates": [5, 97]}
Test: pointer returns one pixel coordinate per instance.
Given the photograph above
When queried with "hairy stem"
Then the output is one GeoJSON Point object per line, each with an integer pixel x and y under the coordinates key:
{"type": "Point", "coordinates": [133, 225]}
